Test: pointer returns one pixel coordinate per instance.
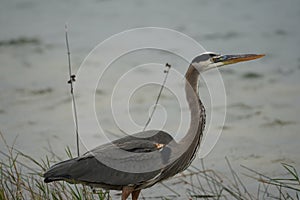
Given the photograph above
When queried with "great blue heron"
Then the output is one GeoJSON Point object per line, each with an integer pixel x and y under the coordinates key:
{"type": "Point", "coordinates": [146, 147]}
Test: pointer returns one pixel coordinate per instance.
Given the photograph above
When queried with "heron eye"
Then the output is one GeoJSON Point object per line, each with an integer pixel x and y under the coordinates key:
{"type": "Point", "coordinates": [217, 59]}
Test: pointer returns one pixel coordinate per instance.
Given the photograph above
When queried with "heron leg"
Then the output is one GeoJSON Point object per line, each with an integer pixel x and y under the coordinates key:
{"type": "Point", "coordinates": [126, 191]}
{"type": "Point", "coordinates": [135, 194]}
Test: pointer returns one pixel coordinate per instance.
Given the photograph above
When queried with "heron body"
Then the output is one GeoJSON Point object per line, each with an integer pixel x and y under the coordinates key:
{"type": "Point", "coordinates": [147, 157]}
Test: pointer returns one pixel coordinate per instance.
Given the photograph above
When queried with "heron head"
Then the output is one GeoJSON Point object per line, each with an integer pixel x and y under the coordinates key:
{"type": "Point", "coordinates": [210, 60]}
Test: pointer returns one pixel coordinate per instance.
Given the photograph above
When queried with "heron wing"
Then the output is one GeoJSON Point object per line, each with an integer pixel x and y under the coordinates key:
{"type": "Point", "coordinates": [146, 141]}
{"type": "Point", "coordinates": [137, 153]}
{"type": "Point", "coordinates": [132, 160]}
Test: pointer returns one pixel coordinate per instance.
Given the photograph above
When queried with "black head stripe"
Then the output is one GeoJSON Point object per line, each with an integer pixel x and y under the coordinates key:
{"type": "Point", "coordinates": [203, 57]}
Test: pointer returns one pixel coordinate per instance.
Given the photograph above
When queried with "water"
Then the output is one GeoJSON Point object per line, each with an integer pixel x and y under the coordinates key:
{"type": "Point", "coordinates": [262, 119]}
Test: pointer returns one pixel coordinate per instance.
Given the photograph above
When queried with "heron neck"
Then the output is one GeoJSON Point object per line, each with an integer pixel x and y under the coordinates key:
{"type": "Point", "coordinates": [193, 137]}
{"type": "Point", "coordinates": [191, 84]}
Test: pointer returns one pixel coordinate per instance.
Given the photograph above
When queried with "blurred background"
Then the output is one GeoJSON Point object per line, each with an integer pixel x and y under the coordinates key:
{"type": "Point", "coordinates": [262, 120]}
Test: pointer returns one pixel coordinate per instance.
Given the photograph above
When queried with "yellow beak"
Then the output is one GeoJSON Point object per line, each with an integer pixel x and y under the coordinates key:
{"type": "Point", "coordinates": [231, 59]}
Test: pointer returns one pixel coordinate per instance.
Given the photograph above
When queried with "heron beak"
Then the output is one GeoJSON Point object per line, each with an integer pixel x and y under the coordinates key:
{"type": "Point", "coordinates": [231, 59]}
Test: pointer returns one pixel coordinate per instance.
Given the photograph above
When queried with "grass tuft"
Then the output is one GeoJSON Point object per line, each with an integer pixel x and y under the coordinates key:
{"type": "Point", "coordinates": [21, 179]}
